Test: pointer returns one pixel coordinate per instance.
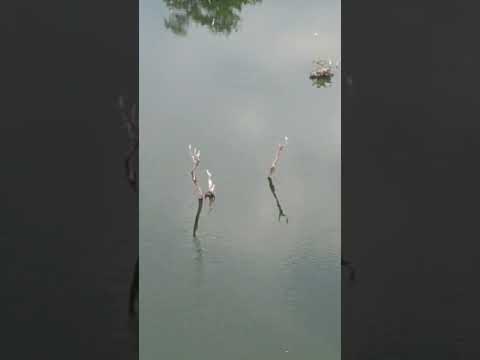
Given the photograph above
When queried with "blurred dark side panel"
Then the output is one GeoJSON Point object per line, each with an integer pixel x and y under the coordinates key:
{"type": "Point", "coordinates": [69, 234]}
{"type": "Point", "coordinates": [410, 180]}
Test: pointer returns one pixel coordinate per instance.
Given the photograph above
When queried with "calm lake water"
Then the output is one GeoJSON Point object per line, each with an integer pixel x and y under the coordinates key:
{"type": "Point", "coordinates": [250, 287]}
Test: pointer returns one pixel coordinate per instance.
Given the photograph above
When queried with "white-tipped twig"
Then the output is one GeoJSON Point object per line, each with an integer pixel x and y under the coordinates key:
{"type": "Point", "coordinates": [210, 195]}
{"type": "Point", "coordinates": [195, 155]}
{"type": "Point", "coordinates": [211, 185]}
{"type": "Point", "coordinates": [277, 155]}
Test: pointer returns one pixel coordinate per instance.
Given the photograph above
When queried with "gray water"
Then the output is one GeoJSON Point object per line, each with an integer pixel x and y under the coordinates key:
{"type": "Point", "coordinates": [249, 287]}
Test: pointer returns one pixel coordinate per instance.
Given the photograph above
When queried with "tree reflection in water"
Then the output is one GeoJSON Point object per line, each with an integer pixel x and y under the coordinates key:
{"type": "Point", "coordinates": [219, 16]}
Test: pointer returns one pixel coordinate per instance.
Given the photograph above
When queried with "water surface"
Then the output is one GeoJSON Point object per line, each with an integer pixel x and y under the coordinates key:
{"type": "Point", "coordinates": [250, 287]}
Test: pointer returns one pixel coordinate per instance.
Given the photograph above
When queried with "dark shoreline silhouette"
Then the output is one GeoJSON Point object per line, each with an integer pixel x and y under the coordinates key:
{"type": "Point", "coordinates": [134, 290]}
{"type": "Point", "coordinates": [130, 118]}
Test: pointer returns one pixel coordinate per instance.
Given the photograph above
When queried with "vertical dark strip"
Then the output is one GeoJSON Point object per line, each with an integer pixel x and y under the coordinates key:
{"type": "Point", "coordinates": [409, 179]}
{"type": "Point", "coordinates": [70, 221]}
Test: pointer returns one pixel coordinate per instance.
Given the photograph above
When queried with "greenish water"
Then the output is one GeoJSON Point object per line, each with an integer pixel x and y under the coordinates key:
{"type": "Point", "coordinates": [250, 287]}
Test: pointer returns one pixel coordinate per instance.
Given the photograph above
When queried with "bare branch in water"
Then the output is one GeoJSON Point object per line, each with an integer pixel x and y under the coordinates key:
{"type": "Point", "coordinates": [195, 155]}
{"type": "Point", "coordinates": [280, 148]}
{"type": "Point", "coordinates": [210, 194]}
{"type": "Point", "coordinates": [277, 156]}
{"type": "Point", "coordinates": [197, 217]}
{"type": "Point", "coordinates": [281, 213]}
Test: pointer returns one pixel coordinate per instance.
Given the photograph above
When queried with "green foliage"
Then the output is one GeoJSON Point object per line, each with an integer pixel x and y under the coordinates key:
{"type": "Point", "coordinates": [219, 16]}
{"type": "Point", "coordinates": [322, 82]}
